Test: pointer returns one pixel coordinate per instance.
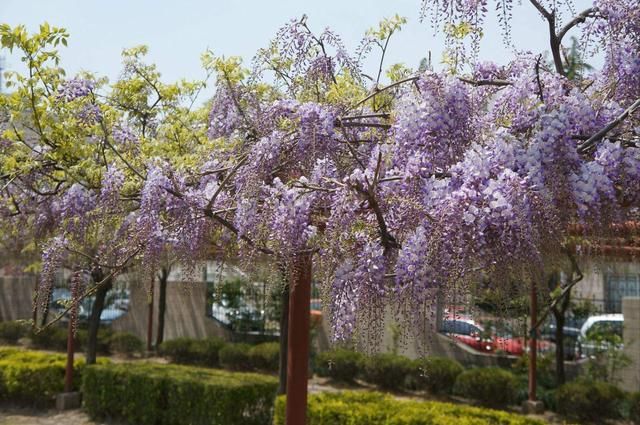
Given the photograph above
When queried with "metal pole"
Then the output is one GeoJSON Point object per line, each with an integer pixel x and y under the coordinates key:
{"type": "Point", "coordinates": [298, 344]}
{"type": "Point", "coordinates": [533, 344]}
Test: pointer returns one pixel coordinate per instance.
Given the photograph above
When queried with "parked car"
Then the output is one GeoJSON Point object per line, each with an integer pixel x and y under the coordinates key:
{"type": "Point", "coordinates": [600, 333]}
{"type": "Point", "coordinates": [570, 341]}
{"type": "Point", "coordinates": [467, 332]}
{"type": "Point", "coordinates": [489, 340]}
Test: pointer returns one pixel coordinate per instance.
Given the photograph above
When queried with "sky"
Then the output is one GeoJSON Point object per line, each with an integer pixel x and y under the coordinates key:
{"type": "Point", "coordinates": [177, 32]}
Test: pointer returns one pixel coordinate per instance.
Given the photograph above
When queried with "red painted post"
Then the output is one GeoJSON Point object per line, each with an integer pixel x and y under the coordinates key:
{"type": "Point", "coordinates": [533, 344]}
{"type": "Point", "coordinates": [298, 350]}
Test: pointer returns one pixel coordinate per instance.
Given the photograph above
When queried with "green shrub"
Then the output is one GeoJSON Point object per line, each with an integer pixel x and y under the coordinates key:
{"type": "Point", "coordinates": [209, 349]}
{"type": "Point", "coordinates": [490, 386]}
{"type": "Point", "coordinates": [179, 350]}
{"type": "Point", "coordinates": [235, 357]}
{"type": "Point", "coordinates": [204, 352]}
{"type": "Point", "coordinates": [589, 400]}
{"type": "Point", "coordinates": [339, 364]}
{"type": "Point", "coordinates": [436, 374]}
{"type": "Point", "coordinates": [51, 338]}
{"type": "Point", "coordinates": [11, 332]}
{"type": "Point", "coordinates": [33, 378]}
{"type": "Point", "coordinates": [634, 407]}
{"type": "Point", "coordinates": [152, 394]}
{"type": "Point", "coordinates": [368, 408]}
{"type": "Point", "coordinates": [388, 371]}
{"type": "Point", "coordinates": [125, 343]}
{"type": "Point", "coordinates": [265, 356]}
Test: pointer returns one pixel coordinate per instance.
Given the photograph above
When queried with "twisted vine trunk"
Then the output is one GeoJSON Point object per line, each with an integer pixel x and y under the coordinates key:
{"type": "Point", "coordinates": [559, 314]}
{"type": "Point", "coordinates": [284, 335]}
{"type": "Point", "coordinates": [94, 317]}
{"type": "Point", "coordinates": [162, 304]}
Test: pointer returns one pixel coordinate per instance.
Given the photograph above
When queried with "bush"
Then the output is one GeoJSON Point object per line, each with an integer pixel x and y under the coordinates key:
{"type": "Point", "coordinates": [204, 352]}
{"type": "Point", "coordinates": [589, 400]}
{"type": "Point", "coordinates": [265, 356]}
{"type": "Point", "coordinates": [11, 332]}
{"type": "Point", "coordinates": [235, 357]}
{"type": "Point", "coordinates": [51, 338]}
{"type": "Point", "coordinates": [339, 364]}
{"type": "Point", "coordinates": [490, 386]}
{"type": "Point", "coordinates": [152, 394]}
{"type": "Point", "coordinates": [388, 371]}
{"type": "Point", "coordinates": [369, 408]}
{"type": "Point", "coordinates": [436, 374]}
{"type": "Point", "coordinates": [33, 378]}
{"type": "Point", "coordinates": [634, 407]}
{"type": "Point", "coordinates": [125, 343]}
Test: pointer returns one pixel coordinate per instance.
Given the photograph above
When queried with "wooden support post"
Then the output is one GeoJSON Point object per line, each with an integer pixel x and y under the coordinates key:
{"type": "Point", "coordinates": [298, 344]}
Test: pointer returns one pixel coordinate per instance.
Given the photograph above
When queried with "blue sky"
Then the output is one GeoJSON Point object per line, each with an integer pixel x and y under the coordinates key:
{"type": "Point", "coordinates": [177, 32]}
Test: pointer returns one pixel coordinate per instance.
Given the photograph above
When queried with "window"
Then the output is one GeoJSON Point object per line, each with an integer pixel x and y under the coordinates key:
{"type": "Point", "coordinates": [459, 327]}
{"type": "Point", "coordinates": [618, 287]}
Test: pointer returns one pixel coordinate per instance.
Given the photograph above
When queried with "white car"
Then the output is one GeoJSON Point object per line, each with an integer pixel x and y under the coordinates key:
{"type": "Point", "coordinates": [604, 324]}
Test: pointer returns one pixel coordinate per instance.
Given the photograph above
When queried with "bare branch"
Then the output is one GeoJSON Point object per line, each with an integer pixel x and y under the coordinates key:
{"type": "Point", "coordinates": [478, 83]}
{"type": "Point", "coordinates": [593, 140]}
{"type": "Point", "coordinates": [579, 19]}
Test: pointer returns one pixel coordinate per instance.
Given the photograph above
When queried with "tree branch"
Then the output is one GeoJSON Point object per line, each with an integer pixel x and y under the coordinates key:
{"type": "Point", "coordinates": [593, 140]}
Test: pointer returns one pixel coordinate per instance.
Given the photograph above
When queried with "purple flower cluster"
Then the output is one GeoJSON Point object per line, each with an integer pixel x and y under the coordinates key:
{"type": "Point", "coordinates": [75, 88]}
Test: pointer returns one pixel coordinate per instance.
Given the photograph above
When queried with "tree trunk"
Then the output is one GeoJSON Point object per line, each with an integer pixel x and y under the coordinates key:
{"type": "Point", "coordinates": [94, 317]}
{"type": "Point", "coordinates": [284, 335]}
{"type": "Point", "coordinates": [150, 316]}
{"type": "Point", "coordinates": [560, 315]}
{"type": "Point", "coordinates": [162, 304]}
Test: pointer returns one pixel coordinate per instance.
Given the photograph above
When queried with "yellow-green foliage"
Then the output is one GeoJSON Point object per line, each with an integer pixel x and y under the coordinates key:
{"type": "Point", "coordinates": [367, 408]}
{"type": "Point", "coordinates": [31, 377]}
{"type": "Point", "coordinates": [153, 394]}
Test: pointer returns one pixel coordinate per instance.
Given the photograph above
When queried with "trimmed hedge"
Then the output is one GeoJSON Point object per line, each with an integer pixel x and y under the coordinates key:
{"type": "Point", "coordinates": [265, 356]}
{"type": "Point", "coordinates": [11, 332]}
{"type": "Point", "coordinates": [589, 400]}
{"type": "Point", "coordinates": [125, 343]}
{"type": "Point", "coordinates": [634, 407]}
{"type": "Point", "coordinates": [339, 364]}
{"type": "Point", "coordinates": [203, 352]}
{"type": "Point", "coordinates": [369, 408]}
{"type": "Point", "coordinates": [153, 394]}
{"type": "Point", "coordinates": [33, 378]}
{"type": "Point", "coordinates": [490, 386]}
{"type": "Point", "coordinates": [55, 338]}
{"type": "Point", "coordinates": [51, 338]}
{"type": "Point", "coordinates": [236, 357]}
{"type": "Point", "coordinates": [437, 375]}
{"type": "Point", "coordinates": [388, 371]}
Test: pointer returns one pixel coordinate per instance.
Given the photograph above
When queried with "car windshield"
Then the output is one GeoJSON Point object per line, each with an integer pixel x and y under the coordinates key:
{"type": "Point", "coordinates": [605, 327]}
{"type": "Point", "coordinates": [459, 327]}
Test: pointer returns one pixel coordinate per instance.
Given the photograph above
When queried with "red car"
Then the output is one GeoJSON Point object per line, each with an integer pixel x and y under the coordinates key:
{"type": "Point", "coordinates": [475, 336]}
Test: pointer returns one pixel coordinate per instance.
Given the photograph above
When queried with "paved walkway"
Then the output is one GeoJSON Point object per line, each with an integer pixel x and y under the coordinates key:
{"type": "Point", "coordinates": [38, 417]}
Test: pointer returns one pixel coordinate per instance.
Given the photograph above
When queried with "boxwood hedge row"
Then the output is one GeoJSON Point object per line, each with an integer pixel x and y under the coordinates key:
{"type": "Point", "coordinates": [154, 394]}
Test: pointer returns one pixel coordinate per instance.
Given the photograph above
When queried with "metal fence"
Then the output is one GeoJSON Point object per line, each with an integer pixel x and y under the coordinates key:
{"type": "Point", "coordinates": [496, 332]}
{"type": "Point", "coordinates": [244, 307]}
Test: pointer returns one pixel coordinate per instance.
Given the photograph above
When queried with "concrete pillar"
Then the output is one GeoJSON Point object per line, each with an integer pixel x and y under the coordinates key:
{"type": "Point", "coordinates": [631, 337]}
